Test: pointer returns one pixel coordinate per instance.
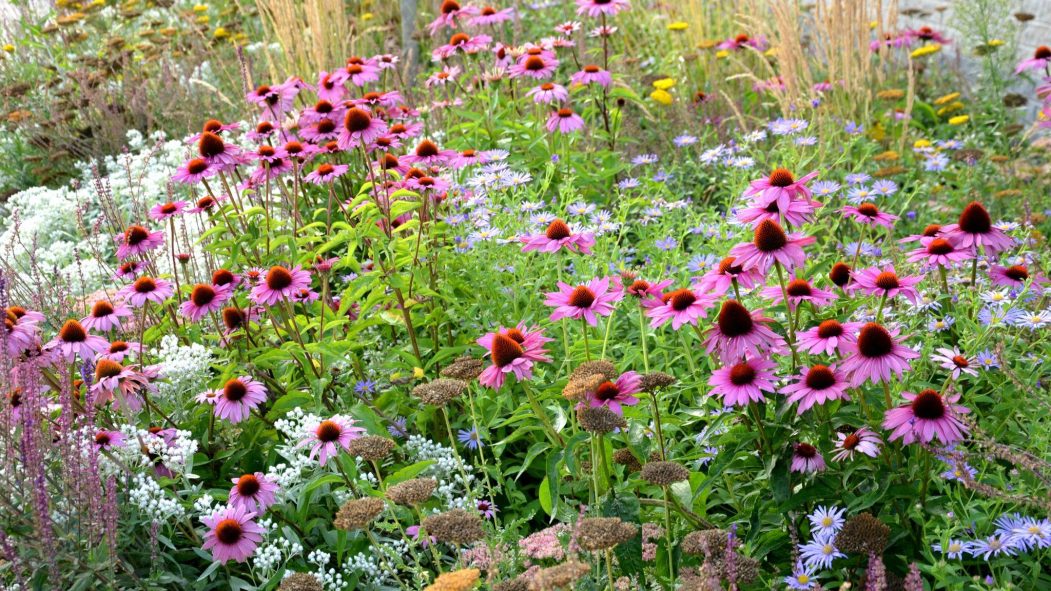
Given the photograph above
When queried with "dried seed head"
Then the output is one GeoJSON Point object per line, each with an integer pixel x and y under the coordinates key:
{"type": "Point", "coordinates": [600, 419]}
{"type": "Point", "coordinates": [624, 457]}
{"type": "Point", "coordinates": [651, 382]}
{"type": "Point", "coordinates": [863, 534]}
{"type": "Point", "coordinates": [664, 473]}
{"type": "Point", "coordinates": [710, 543]}
{"type": "Point", "coordinates": [599, 367]}
{"type": "Point", "coordinates": [464, 368]}
{"type": "Point", "coordinates": [516, 584]}
{"type": "Point", "coordinates": [439, 392]}
{"type": "Point", "coordinates": [412, 492]}
{"type": "Point", "coordinates": [358, 513]}
{"type": "Point", "coordinates": [560, 576]}
{"type": "Point", "coordinates": [371, 448]}
{"type": "Point", "coordinates": [577, 390]}
{"type": "Point", "coordinates": [603, 533]}
{"type": "Point", "coordinates": [455, 527]}
{"type": "Point", "coordinates": [301, 582]}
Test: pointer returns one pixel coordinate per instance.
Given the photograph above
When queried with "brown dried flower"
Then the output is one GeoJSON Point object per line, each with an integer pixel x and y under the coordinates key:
{"type": "Point", "coordinates": [459, 580]}
{"type": "Point", "coordinates": [624, 457]}
{"type": "Point", "coordinates": [464, 368]}
{"type": "Point", "coordinates": [440, 391]}
{"type": "Point", "coordinates": [455, 527]}
{"type": "Point", "coordinates": [603, 533]}
{"type": "Point", "coordinates": [600, 419]}
{"type": "Point", "coordinates": [560, 576]}
{"type": "Point", "coordinates": [664, 473]}
{"type": "Point", "coordinates": [411, 492]}
{"type": "Point", "coordinates": [357, 513]}
{"type": "Point", "coordinates": [301, 582]}
{"type": "Point", "coordinates": [371, 448]}
{"type": "Point", "coordinates": [863, 534]}
{"type": "Point", "coordinates": [653, 381]}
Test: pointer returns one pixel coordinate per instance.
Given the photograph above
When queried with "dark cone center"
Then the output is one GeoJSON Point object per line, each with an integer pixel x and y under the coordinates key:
{"type": "Point", "coordinates": [820, 377]}
{"type": "Point", "coordinates": [769, 236]}
{"type": "Point", "coordinates": [928, 405]}
{"type": "Point", "coordinates": [874, 341]}
{"type": "Point", "coordinates": [505, 350]}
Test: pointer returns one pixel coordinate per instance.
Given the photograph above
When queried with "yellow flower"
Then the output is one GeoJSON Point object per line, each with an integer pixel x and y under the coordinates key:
{"type": "Point", "coordinates": [202, 19]}
{"type": "Point", "coordinates": [200, 8]}
{"type": "Point", "coordinates": [951, 108]}
{"type": "Point", "coordinates": [926, 50]}
{"type": "Point", "coordinates": [921, 144]}
{"type": "Point", "coordinates": [367, 16]}
{"type": "Point", "coordinates": [663, 83]}
{"type": "Point", "coordinates": [459, 580]}
{"type": "Point", "coordinates": [873, 24]}
{"type": "Point", "coordinates": [770, 52]}
{"type": "Point", "coordinates": [947, 98]}
{"type": "Point", "coordinates": [722, 53]}
{"type": "Point", "coordinates": [959, 120]}
{"type": "Point", "coordinates": [221, 33]}
{"type": "Point", "coordinates": [9, 48]}
{"type": "Point", "coordinates": [662, 96]}
{"type": "Point", "coordinates": [995, 42]}
{"type": "Point", "coordinates": [678, 26]}
{"type": "Point", "coordinates": [394, 377]}
{"type": "Point", "coordinates": [417, 372]}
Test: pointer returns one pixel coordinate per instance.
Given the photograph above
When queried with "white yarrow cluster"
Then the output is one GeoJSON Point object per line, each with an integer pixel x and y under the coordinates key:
{"type": "Point", "coordinates": [185, 369]}
{"type": "Point", "coordinates": [151, 499]}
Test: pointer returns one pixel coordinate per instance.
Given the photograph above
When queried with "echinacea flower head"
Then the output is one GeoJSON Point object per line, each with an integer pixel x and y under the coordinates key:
{"type": "Point", "coordinates": [326, 173]}
{"type": "Point", "coordinates": [281, 283]}
{"type": "Point", "coordinates": [327, 436]}
{"type": "Point", "coordinates": [538, 66]}
{"type": "Point", "coordinates": [137, 241]}
{"type": "Point", "coordinates": [975, 228]}
{"type": "Point", "coordinates": [613, 394]}
{"type": "Point", "coordinates": [108, 439]}
{"type": "Point", "coordinates": [956, 362]}
{"type": "Point", "coordinates": [1014, 276]}
{"type": "Point", "coordinates": [681, 306]}
{"type": "Point", "coordinates": [939, 251]}
{"type": "Point", "coordinates": [557, 236]}
{"type": "Point", "coordinates": [817, 384]}
{"type": "Point", "coordinates": [106, 315]}
{"type": "Point", "coordinates": [928, 415]}
{"type": "Point", "coordinates": [868, 214]}
{"type": "Point", "coordinates": [875, 355]}
{"type": "Point", "coordinates": [146, 289]}
{"type": "Point", "coordinates": [588, 300]}
{"type": "Point", "coordinates": [743, 382]}
{"type": "Point", "coordinates": [828, 337]}
{"type": "Point", "coordinates": [169, 209]}
{"type": "Point", "coordinates": [253, 492]}
{"type": "Point", "coordinates": [861, 441]}
{"type": "Point", "coordinates": [512, 351]}
{"type": "Point", "coordinates": [886, 283]}
{"type": "Point", "coordinates": [600, 8]}
{"type": "Point", "coordinates": [799, 290]}
{"type": "Point", "coordinates": [727, 272]}
{"type": "Point", "coordinates": [592, 74]}
{"type": "Point", "coordinates": [781, 187]}
{"type": "Point", "coordinates": [1040, 60]}
{"type": "Point", "coordinates": [739, 333]}
{"type": "Point", "coordinates": [806, 459]}
{"type": "Point", "coordinates": [564, 121]}
{"type": "Point", "coordinates": [236, 399]}
{"type": "Point", "coordinates": [360, 128]}
{"type": "Point", "coordinates": [770, 244]}
{"type": "Point", "coordinates": [232, 535]}
{"type": "Point", "coordinates": [205, 299]}
{"type": "Point", "coordinates": [548, 93]}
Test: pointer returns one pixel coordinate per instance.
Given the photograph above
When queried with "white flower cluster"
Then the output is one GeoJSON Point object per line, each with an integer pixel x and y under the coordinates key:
{"type": "Point", "coordinates": [274, 552]}
{"type": "Point", "coordinates": [206, 506]}
{"type": "Point", "coordinates": [171, 448]}
{"type": "Point", "coordinates": [151, 499]}
{"type": "Point", "coordinates": [445, 470]}
{"type": "Point", "coordinates": [374, 573]}
{"type": "Point", "coordinates": [186, 369]}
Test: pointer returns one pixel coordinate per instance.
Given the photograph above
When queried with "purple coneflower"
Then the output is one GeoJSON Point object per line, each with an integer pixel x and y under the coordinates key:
{"type": "Point", "coordinates": [564, 120]}
{"type": "Point", "coordinates": [559, 235]}
{"type": "Point", "coordinates": [869, 214]}
{"type": "Point", "coordinates": [739, 333]}
{"type": "Point", "coordinates": [681, 306]}
{"type": "Point", "coordinates": [236, 399]}
{"type": "Point", "coordinates": [514, 351]}
{"type": "Point", "coordinates": [548, 93]}
{"type": "Point", "coordinates": [956, 362]}
{"type": "Point", "coordinates": [743, 382]}
{"type": "Point", "coordinates": [587, 301]}
{"type": "Point", "coordinates": [975, 228]}
{"type": "Point", "coordinates": [721, 277]}
{"type": "Point", "coordinates": [781, 187]}
{"type": "Point", "coordinates": [799, 290]}
{"type": "Point", "coordinates": [106, 316]}
{"type": "Point", "coordinates": [798, 213]}
{"type": "Point", "coordinates": [109, 439]}
{"type": "Point", "coordinates": [806, 459]}
{"type": "Point", "coordinates": [360, 71]}
{"type": "Point", "coordinates": [326, 173]}
{"type": "Point", "coordinates": [194, 171]}
{"type": "Point", "coordinates": [1040, 60]}
{"type": "Point", "coordinates": [329, 435]}
{"type": "Point", "coordinates": [770, 244]}
{"type": "Point", "coordinates": [253, 492]}
{"type": "Point", "coordinates": [861, 441]}
{"type": "Point", "coordinates": [615, 394]}
{"type": "Point", "coordinates": [232, 535]}
{"type": "Point", "coordinates": [170, 209]}
{"type": "Point", "coordinates": [598, 8]}
{"type": "Point", "coordinates": [939, 252]}
{"type": "Point", "coordinates": [875, 355]}
{"type": "Point", "coordinates": [146, 289]}
{"type": "Point", "coordinates": [359, 128]}
{"type": "Point", "coordinates": [828, 337]}
{"type": "Point", "coordinates": [73, 339]}
{"type": "Point", "coordinates": [926, 416]}
{"type": "Point", "coordinates": [534, 65]}
{"type": "Point", "coordinates": [205, 299]}
{"type": "Point", "coordinates": [817, 384]}
{"type": "Point", "coordinates": [592, 74]}
{"type": "Point", "coordinates": [1014, 277]}
{"type": "Point", "coordinates": [281, 283]}
{"type": "Point", "coordinates": [137, 241]}
{"type": "Point", "coordinates": [886, 283]}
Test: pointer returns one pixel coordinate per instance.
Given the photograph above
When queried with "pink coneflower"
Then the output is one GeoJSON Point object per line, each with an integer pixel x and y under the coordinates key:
{"type": "Point", "coordinates": [213, 126]}
{"type": "Point", "coordinates": [194, 171]}
{"type": "Point", "coordinates": [205, 299]}
{"type": "Point", "coordinates": [514, 351]}
{"type": "Point", "coordinates": [321, 110]}
{"type": "Point", "coordinates": [829, 337]}
{"type": "Point", "coordinates": [253, 492]}
{"type": "Point", "coordinates": [645, 291]}
{"type": "Point", "coordinates": [217, 153]}
{"type": "Point", "coordinates": [587, 301]}
{"type": "Point", "coordinates": [118, 350]}
{"type": "Point", "coordinates": [329, 435]}
{"type": "Point", "coordinates": [236, 399]}
{"type": "Point", "coordinates": [427, 153]}
{"type": "Point", "coordinates": [930, 231]}
{"type": "Point", "coordinates": [740, 41]}
{"type": "Point", "coordinates": [106, 316]}
{"type": "Point", "coordinates": [330, 86]}
{"type": "Point", "coordinates": [204, 204]}
{"type": "Point", "coordinates": [682, 306]}
{"type": "Point", "coordinates": [739, 333]}
{"type": "Point", "coordinates": [938, 252]}
{"type": "Point", "coordinates": [870, 215]}
{"type": "Point", "coordinates": [488, 16]}
{"type": "Point", "coordinates": [108, 439]}
{"type": "Point", "coordinates": [137, 241]}
{"type": "Point", "coordinates": [798, 213]}
{"type": "Point", "coordinates": [875, 355]}
{"type": "Point", "coordinates": [448, 13]}
{"type": "Point", "coordinates": [232, 535]}
{"type": "Point", "coordinates": [281, 283]}
{"type": "Point", "coordinates": [442, 77]}
{"type": "Point", "coordinates": [926, 416]}
{"type": "Point", "coordinates": [927, 34]}
{"type": "Point", "coordinates": [721, 277]}
{"type": "Point", "coordinates": [886, 283]}
{"type": "Point", "coordinates": [146, 289]}
{"type": "Point", "coordinates": [770, 244]}
{"type": "Point", "coordinates": [326, 173]}
{"type": "Point", "coordinates": [598, 8]}
{"type": "Point", "coordinates": [565, 121]}
{"type": "Point", "coordinates": [1040, 60]}
{"type": "Point", "coordinates": [537, 66]}
{"type": "Point", "coordinates": [559, 235]}
{"type": "Point", "coordinates": [113, 380]}
{"type": "Point", "coordinates": [743, 382]}
{"type": "Point", "coordinates": [956, 362]}
{"type": "Point", "coordinates": [359, 128]}
{"type": "Point", "coordinates": [261, 132]}
{"type": "Point", "coordinates": [461, 42]}
{"type": "Point", "coordinates": [275, 100]}
{"type": "Point", "coordinates": [817, 384]}
{"type": "Point", "coordinates": [975, 228]}
{"type": "Point", "coordinates": [1014, 277]}
{"type": "Point", "coordinates": [861, 441]}
{"type": "Point", "coordinates": [163, 211]}
{"type": "Point", "coordinates": [592, 74]}
{"type": "Point", "coordinates": [322, 131]}
{"type": "Point", "coordinates": [360, 71]}
{"type": "Point", "coordinates": [20, 330]}
{"type": "Point", "coordinates": [613, 395]}
{"type": "Point", "coordinates": [799, 290]}
{"type": "Point", "coordinates": [806, 459]}
{"type": "Point", "coordinates": [469, 158]}
{"type": "Point", "coordinates": [780, 187]}
{"type": "Point", "coordinates": [548, 93]}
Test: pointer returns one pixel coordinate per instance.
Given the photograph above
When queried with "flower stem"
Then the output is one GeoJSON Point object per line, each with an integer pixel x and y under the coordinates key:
{"type": "Point", "coordinates": [539, 410]}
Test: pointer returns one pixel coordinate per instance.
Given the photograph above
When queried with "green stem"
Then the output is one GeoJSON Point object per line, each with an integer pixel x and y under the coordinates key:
{"type": "Point", "coordinates": [542, 415]}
